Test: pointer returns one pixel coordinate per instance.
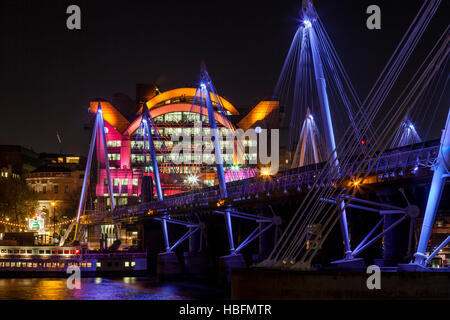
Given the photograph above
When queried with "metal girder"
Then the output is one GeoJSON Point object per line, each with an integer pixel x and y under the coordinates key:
{"type": "Point", "coordinates": [228, 213]}
{"type": "Point", "coordinates": [193, 227]}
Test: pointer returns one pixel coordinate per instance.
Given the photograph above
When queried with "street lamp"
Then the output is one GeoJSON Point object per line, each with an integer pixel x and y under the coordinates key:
{"type": "Point", "coordinates": [53, 204]}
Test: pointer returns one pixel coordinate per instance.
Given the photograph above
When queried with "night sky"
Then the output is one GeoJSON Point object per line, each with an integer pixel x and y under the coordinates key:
{"type": "Point", "coordinates": [49, 73]}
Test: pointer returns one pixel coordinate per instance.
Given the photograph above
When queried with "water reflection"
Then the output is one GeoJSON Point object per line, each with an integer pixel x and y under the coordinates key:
{"type": "Point", "coordinates": [126, 288]}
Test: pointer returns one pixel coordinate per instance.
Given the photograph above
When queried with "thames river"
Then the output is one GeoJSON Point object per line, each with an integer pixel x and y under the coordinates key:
{"type": "Point", "coordinates": [125, 288]}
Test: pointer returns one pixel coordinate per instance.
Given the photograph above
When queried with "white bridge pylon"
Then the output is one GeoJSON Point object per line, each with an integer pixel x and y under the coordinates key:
{"type": "Point", "coordinates": [99, 129]}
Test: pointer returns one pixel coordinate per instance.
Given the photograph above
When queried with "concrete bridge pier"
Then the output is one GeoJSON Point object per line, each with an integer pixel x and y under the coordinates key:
{"type": "Point", "coordinates": [267, 239]}
{"type": "Point", "coordinates": [233, 260]}
{"type": "Point", "coordinates": [168, 266]}
{"type": "Point", "coordinates": [196, 260]}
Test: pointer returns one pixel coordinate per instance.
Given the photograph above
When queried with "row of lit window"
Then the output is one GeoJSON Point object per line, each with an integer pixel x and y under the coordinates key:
{"type": "Point", "coordinates": [113, 156]}
{"type": "Point", "coordinates": [18, 264]}
{"type": "Point", "coordinates": [123, 182]}
{"type": "Point", "coordinates": [44, 252]}
{"type": "Point", "coordinates": [119, 201]}
{"type": "Point", "coordinates": [114, 143]}
{"type": "Point", "coordinates": [55, 189]}
{"type": "Point", "coordinates": [5, 174]}
{"type": "Point", "coordinates": [139, 145]}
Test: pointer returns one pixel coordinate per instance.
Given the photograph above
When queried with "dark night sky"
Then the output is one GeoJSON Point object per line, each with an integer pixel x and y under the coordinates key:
{"type": "Point", "coordinates": [49, 74]}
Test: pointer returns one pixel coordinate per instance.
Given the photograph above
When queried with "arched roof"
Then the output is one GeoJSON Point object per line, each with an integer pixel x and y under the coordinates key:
{"type": "Point", "coordinates": [110, 114]}
{"type": "Point", "coordinates": [186, 92]}
{"type": "Point", "coordinates": [177, 107]}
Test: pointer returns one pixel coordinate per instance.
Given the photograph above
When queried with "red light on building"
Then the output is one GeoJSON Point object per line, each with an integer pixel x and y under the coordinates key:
{"type": "Point", "coordinates": [77, 251]}
{"type": "Point", "coordinates": [363, 142]}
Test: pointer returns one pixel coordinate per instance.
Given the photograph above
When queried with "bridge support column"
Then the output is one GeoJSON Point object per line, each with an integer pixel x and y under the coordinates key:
{"type": "Point", "coordinates": [441, 172]}
{"type": "Point", "coordinates": [232, 261]}
{"type": "Point", "coordinates": [229, 231]}
{"type": "Point", "coordinates": [326, 116]}
{"type": "Point", "coordinates": [266, 239]}
{"type": "Point", "coordinates": [196, 261]}
{"type": "Point", "coordinates": [168, 266]}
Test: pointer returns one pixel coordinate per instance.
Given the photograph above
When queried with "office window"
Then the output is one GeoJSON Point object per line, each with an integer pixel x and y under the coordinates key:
{"type": "Point", "coordinates": [72, 159]}
{"type": "Point", "coordinates": [114, 156]}
{"type": "Point", "coordinates": [114, 143]}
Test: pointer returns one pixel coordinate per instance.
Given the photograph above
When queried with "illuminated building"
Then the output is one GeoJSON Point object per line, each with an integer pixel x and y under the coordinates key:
{"type": "Point", "coordinates": [174, 113]}
{"type": "Point", "coordinates": [59, 182]}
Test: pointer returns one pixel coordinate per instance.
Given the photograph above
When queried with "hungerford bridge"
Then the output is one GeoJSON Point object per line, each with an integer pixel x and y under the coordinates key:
{"type": "Point", "coordinates": [372, 191]}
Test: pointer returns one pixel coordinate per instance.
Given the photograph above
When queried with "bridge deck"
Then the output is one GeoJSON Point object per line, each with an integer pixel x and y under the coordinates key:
{"type": "Point", "coordinates": [412, 161]}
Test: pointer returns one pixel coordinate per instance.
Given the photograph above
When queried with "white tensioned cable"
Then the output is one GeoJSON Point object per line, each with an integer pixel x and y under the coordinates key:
{"type": "Point", "coordinates": [422, 83]}
{"type": "Point", "coordinates": [291, 221]}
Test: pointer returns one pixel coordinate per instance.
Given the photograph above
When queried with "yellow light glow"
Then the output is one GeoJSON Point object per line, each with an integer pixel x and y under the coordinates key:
{"type": "Point", "coordinates": [53, 204]}
{"type": "Point", "coordinates": [356, 183]}
{"type": "Point", "coordinates": [258, 113]}
{"type": "Point", "coordinates": [186, 92]}
{"type": "Point", "coordinates": [265, 172]}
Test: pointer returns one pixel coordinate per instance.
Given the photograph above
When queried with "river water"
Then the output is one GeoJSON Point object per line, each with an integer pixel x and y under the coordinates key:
{"type": "Point", "coordinates": [125, 288]}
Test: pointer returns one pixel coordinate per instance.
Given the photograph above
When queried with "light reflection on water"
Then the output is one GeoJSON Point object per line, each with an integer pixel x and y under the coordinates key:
{"type": "Point", "coordinates": [126, 288]}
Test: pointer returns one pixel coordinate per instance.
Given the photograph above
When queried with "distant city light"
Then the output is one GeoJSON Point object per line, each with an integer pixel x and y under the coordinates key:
{"type": "Point", "coordinates": [307, 23]}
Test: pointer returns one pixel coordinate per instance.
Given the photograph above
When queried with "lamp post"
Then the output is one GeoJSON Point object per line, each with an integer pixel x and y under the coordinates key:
{"type": "Point", "coordinates": [53, 204]}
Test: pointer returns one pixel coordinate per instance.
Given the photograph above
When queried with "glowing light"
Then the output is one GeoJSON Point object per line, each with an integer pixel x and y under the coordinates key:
{"type": "Point", "coordinates": [235, 168]}
{"type": "Point", "coordinates": [203, 86]}
{"type": "Point", "coordinates": [258, 130]}
{"type": "Point", "coordinates": [411, 126]}
{"type": "Point", "coordinates": [52, 203]}
{"type": "Point", "coordinates": [307, 23]}
{"type": "Point", "coordinates": [363, 142]}
{"type": "Point", "coordinates": [356, 183]}
{"type": "Point", "coordinates": [311, 117]}
{"type": "Point", "coordinates": [192, 179]}
{"type": "Point", "coordinates": [265, 172]}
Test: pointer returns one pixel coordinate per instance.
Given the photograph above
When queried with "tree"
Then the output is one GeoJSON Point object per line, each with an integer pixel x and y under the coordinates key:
{"type": "Point", "coordinates": [17, 200]}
